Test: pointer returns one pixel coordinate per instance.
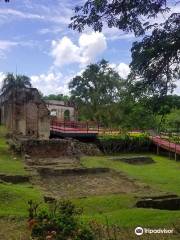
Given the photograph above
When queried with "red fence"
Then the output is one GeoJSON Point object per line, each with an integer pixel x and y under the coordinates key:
{"type": "Point", "coordinates": [170, 146]}
{"type": "Point", "coordinates": [74, 126]}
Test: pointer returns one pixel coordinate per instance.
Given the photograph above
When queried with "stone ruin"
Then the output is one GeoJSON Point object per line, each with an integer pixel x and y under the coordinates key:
{"type": "Point", "coordinates": [24, 113]}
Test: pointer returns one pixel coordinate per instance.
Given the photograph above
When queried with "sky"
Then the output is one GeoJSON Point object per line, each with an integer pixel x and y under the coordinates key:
{"type": "Point", "coordinates": [35, 41]}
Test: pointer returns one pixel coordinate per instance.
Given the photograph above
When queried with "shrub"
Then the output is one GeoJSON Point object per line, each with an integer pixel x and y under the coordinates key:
{"type": "Point", "coordinates": [124, 143]}
{"type": "Point", "coordinates": [61, 221]}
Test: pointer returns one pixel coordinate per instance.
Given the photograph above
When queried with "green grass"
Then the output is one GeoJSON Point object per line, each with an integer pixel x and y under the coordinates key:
{"type": "Point", "coordinates": [14, 197]}
{"type": "Point", "coordinates": [119, 209]}
{"type": "Point", "coordinates": [104, 204]}
{"type": "Point", "coordinates": [164, 174]}
{"type": "Point", "coordinates": [9, 162]}
{"type": "Point", "coordinates": [131, 218]}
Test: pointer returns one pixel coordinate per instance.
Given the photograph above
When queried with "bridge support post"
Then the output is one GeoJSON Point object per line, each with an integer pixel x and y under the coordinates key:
{"type": "Point", "coordinates": [157, 149]}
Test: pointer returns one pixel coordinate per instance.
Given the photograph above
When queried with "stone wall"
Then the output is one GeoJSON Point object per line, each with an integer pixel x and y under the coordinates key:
{"type": "Point", "coordinates": [24, 112]}
{"type": "Point", "coordinates": [58, 108]}
{"type": "Point", "coordinates": [55, 148]}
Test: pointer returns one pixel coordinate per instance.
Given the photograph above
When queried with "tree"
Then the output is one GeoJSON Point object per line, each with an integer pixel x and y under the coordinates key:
{"type": "Point", "coordinates": [58, 97]}
{"type": "Point", "coordinates": [156, 59]}
{"type": "Point", "coordinates": [173, 121]}
{"type": "Point", "coordinates": [137, 116]}
{"type": "Point", "coordinates": [96, 89]}
{"type": "Point", "coordinates": [19, 81]}
{"type": "Point", "coordinates": [125, 15]}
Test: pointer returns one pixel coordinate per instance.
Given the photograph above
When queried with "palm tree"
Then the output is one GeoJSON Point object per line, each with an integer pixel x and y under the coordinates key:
{"type": "Point", "coordinates": [18, 81]}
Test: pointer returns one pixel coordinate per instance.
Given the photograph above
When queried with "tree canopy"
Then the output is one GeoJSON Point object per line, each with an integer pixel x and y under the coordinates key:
{"type": "Point", "coordinates": [98, 87]}
{"type": "Point", "coordinates": [19, 81]}
{"type": "Point", "coordinates": [59, 97]}
{"type": "Point", "coordinates": [156, 57]}
{"type": "Point", "coordinates": [125, 15]}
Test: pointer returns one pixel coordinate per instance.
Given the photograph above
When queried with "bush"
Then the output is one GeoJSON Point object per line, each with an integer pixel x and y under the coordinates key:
{"type": "Point", "coordinates": [59, 222]}
{"type": "Point", "coordinates": [124, 143]}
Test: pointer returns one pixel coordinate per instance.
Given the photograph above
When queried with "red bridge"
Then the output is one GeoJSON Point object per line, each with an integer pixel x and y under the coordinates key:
{"type": "Point", "coordinates": [165, 144]}
{"type": "Point", "coordinates": [74, 129]}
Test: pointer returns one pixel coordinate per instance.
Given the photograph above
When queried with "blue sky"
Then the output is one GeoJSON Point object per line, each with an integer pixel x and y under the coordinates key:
{"type": "Point", "coordinates": [35, 40]}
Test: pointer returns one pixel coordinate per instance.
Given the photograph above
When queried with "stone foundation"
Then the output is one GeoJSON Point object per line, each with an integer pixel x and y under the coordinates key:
{"type": "Point", "coordinates": [169, 202]}
{"type": "Point", "coordinates": [54, 148]}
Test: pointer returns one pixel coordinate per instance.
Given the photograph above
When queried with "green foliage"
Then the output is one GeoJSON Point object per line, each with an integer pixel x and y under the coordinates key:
{"type": "Point", "coordinates": [156, 58]}
{"type": "Point", "coordinates": [14, 199]}
{"type": "Point", "coordinates": [136, 115]}
{"type": "Point", "coordinates": [172, 123]}
{"type": "Point", "coordinates": [125, 15]}
{"type": "Point", "coordinates": [59, 97]}
{"type": "Point", "coordinates": [9, 162]}
{"type": "Point", "coordinates": [19, 81]}
{"type": "Point", "coordinates": [96, 90]}
{"type": "Point", "coordinates": [124, 143]}
{"type": "Point", "coordinates": [163, 175]}
{"type": "Point", "coordinates": [61, 222]}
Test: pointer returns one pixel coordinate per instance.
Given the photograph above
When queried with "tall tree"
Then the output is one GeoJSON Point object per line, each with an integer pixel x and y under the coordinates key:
{"type": "Point", "coordinates": [125, 15]}
{"type": "Point", "coordinates": [11, 81]}
{"type": "Point", "coordinates": [98, 87]}
{"type": "Point", "coordinates": [156, 58]}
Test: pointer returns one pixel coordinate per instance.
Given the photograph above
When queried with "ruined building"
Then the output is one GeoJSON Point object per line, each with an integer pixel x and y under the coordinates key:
{"type": "Point", "coordinates": [23, 112]}
{"type": "Point", "coordinates": [62, 110]}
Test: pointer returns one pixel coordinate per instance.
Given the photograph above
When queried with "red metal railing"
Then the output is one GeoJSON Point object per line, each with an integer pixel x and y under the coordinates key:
{"type": "Point", "coordinates": [74, 126]}
{"type": "Point", "coordinates": [170, 146]}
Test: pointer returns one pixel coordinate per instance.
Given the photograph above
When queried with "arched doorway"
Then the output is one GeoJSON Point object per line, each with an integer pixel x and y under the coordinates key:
{"type": "Point", "coordinates": [67, 115]}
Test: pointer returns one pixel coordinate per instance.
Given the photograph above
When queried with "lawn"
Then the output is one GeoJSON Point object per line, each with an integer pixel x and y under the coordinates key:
{"type": "Point", "coordinates": [10, 163]}
{"type": "Point", "coordinates": [119, 209]}
{"type": "Point", "coordinates": [14, 197]}
{"type": "Point", "coordinates": [163, 174]}
{"type": "Point", "coordinates": [116, 208]}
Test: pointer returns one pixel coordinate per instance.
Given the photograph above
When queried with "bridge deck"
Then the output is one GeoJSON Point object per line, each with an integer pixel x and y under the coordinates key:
{"type": "Point", "coordinates": [74, 129]}
{"type": "Point", "coordinates": [170, 146]}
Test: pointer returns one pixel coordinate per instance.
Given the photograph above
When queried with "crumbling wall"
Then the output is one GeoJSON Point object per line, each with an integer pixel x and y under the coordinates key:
{"type": "Point", "coordinates": [25, 113]}
{"type": "Point", "coordinates": [55, 148]}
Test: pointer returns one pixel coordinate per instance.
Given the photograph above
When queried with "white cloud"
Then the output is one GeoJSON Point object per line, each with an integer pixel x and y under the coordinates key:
{"type": "Point", "coordinates": [51, 30]}
{"type": "Point", "coordinates": [50, 83]}
{"type": "Point", "coordinates": [6, 46]}
{"type": "Point", "coordinates": [89, 47]}
{"type": "Point", "coordinates": [65, 51]}
{"type": "Point", "coordinates": [6, 12]}
{"type": "Point", "coordinates": [122, 68]}
{"type": "Point", "coordinates": [177, 90]}
{"type": "Point", "coordinates": [117, 34]}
